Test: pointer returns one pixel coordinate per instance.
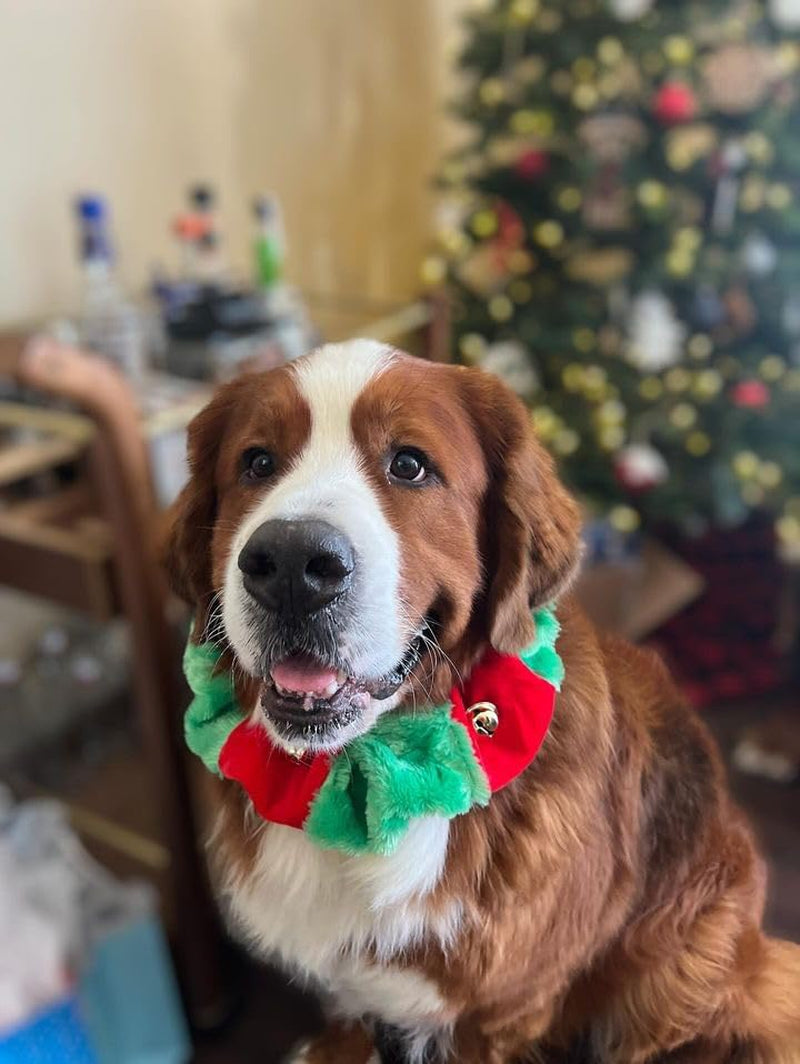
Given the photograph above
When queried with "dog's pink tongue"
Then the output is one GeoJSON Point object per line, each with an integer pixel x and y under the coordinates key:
{"type": "Point", "coordinates": [301, 675]}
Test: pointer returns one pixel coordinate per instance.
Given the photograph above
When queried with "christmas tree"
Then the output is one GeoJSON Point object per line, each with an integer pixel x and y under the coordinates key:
{"type": "Point", "coordinates": [621, 234]}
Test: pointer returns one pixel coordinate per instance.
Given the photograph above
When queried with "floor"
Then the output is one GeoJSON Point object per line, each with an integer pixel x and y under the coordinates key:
{"type": "Point", "coordinates": [272, 1016]}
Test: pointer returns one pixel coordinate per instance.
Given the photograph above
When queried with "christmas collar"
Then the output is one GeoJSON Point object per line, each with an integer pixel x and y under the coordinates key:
{"type": "Point", "coordinates": [440, 761]}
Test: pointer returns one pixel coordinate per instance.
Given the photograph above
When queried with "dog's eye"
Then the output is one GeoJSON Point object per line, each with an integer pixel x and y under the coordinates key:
{"type": "Point", "coordinates": [409, 466]}
{"type": "Point", "coordinates": [257, 464]}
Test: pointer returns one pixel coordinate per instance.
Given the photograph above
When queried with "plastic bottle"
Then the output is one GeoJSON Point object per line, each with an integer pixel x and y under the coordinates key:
{"type": "Point", "coordinates": [110, 324]}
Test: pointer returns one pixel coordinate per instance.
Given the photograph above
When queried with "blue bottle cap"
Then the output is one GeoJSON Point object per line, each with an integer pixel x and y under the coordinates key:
{"type": "Point", "coordinates": [91, 207]}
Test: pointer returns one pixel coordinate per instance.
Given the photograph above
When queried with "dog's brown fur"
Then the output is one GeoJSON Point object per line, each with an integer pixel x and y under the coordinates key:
{"type": "Point", "coordinates": [612, 896]}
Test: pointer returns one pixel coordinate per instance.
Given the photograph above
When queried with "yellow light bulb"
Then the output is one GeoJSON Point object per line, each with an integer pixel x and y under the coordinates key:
{"type": "Point", "coordinates": [708, 384]}
{"type": "Point", "coordinates": [527, 122]}
{"type": "Point", "coordinates": [472, 346]}
{"type": "Point", "coordinates": [779, 197]}
{"type": "Point", "coordinates": [610, 51]}
{"type": "Point", "coordinates": [698, 444]}
{"type": "Point", "coordinates": [585, 340]}
{"type": "Point", "coordinates": [611, 438]}
{"type": "Point", "coordinates": [769, 475]}
{"type": "Point", "coordinates": [491, 92]}
{"type": "Point", "coordinates": [624, 518]}
{"type": "Point", "coordinates": [484, 223]}
{"type": "Point", "coordinates": [683, 416]}
{"type": "Point", "coordinates": [566, 441]}
{"type": "Point", "coordinates": [501, 308]}
{"type": "Point", "coordinates": [652, 194]}
{"type": "Point", "coordinates": [522, 12]}
{"type": "Point", "coordinates": [549, 234]}
{"type": "Point", "coordinates": [745, 464]}
{"type": "Point", "coordinates": [700, 346]}
{"type": "Point", "coordinates": [772, 368]}
{"type": "Point", "coordinates": [651, 388]}
{"type": "Point", "coordinates": [678, 379]}
{"type": "Point", "coordinates": [520, 261]}
{"type": "Point", "coordinates": [433, 270]}
{"type": "Point", "coordinates": [572, 377]}
{"type": "Point", "coordinates": [679, 50]}
{"type": "Point", "coordinates": [570, 199]}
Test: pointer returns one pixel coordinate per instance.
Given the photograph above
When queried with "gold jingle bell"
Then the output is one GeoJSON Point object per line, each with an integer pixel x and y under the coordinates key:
{"type": "Point", "coordinates": [485, 718]}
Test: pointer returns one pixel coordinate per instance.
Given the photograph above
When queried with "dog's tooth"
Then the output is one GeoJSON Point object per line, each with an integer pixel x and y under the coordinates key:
{"type": "Point", "coordinates": [341, 677]}
{"type": "Point", "coordinates": [331, 689]}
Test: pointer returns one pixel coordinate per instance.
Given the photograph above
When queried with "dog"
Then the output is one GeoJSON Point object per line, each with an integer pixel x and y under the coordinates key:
{"type": "Point", "coordinates": [360, 528]}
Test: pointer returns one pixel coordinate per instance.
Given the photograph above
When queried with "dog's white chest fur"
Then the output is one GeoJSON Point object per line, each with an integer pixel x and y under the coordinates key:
{"type": "Point", "coordinates": [341, 921]}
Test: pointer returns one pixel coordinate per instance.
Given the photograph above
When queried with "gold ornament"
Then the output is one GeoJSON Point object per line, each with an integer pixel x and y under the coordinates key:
{"type": "Point", "coordinates": [738, 77]}
{"type": "Point", "coordinates": [501, 308]}
{"type": "Point", "coordinates": [759, 147]}
{"type": "Point", "coordinates": [708, 384]}
{"type": "Point", "coordinates": [753, 494]}
{"type": "Point", "coordinates": [603, 267]}
{"type": "Point", "coordinates": [485, 718]}
{"type": "Point", "coordinates": [611, 438]}
{"type": "Point", "coordinates": [585, 97]}
{"type": "Point", "coordinates": [584, 69]}
{"type": "Point", "coordinates": [624, 518]}
{"type": "Point", "coordinates": [566, 442]}
{"type": "Point", "coordinates": [522, 12]}
{"type": "Point", "coordinates": [751, 198]}
{"type": "Point", "coordinates": [679, 50]}
{"type": "Point", "coordinates": [549, 234]}
{"type": "Point", "coordinates": [745, 464]}
{"type": "Point", "coordinates": [700, 346]}
{"type": "Point", "coordinates": [611, 412]}
{"type": "Point", "coordinates": [652, 195]}
{"type": "Point", "coordinates": [472, 347]}
{"type": "Point", "coordinates": [545, 422]}
{"type": "Point", "coordinates": [788, 530]}
{"type": "Point", "coordinates": [585, 340]}
{"type": "Point", "coordinates": [772, 368]}
{"type": "Point", "coordinates": [610, 51]}
{"type": "Point", "coordinates": [538, 123]}
{"type": "Point", "coordinates": [651, 388]}
{"type": "Point", "coordinates": [769, 475]}
{"type": "Point", "coordinates": [569, 199]}
{"type": "Point", "coordinates": [491, 92]}
{"type": "Point", "coordinates": [433, 270]}
{"type": "Point", "coordinates": [484, 223]}
{"type": "Point", "coordinates": [683, 416]}
{"type": "Point", "coordinates": [779, 197]}
{"type": "Point", "coordinates": [677, 379]}
{"type": "Point", "coordinates": [698, 444]}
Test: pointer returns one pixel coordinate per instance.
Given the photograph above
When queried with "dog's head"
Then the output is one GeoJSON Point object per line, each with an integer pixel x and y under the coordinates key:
{"type": "Point", "coordinates": [358, 526]}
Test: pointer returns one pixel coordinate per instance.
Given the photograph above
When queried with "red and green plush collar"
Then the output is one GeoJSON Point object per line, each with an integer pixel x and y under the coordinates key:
{"type": "Point", "coordinates": [434, 762]}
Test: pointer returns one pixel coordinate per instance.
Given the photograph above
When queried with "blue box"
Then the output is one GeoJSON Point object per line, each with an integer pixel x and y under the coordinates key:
{"type": "Point", "coordinates": [56, 1036]}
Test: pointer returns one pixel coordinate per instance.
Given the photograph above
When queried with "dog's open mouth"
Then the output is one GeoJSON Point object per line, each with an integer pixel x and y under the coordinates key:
{"type": "Point", "coordinates": [302, 695]}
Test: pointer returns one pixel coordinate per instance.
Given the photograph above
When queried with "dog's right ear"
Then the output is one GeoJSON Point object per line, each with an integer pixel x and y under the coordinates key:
{"type": "Point", "coordinates": [186, 543]}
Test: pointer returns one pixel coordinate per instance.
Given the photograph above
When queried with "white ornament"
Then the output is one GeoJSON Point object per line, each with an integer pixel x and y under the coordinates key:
{"type": "Point", "coordinates": [759, 255]}
{"type": "Point", "coordinates": [641, 466]}
{"type": "Point", "coordinates": [512, 363]}
{"type": "Point", "coordinates": [655, 335]}
{"type": "Point", "coordinates": [630, 10]}
{"type": "Point", "coordinates": [785, 13]}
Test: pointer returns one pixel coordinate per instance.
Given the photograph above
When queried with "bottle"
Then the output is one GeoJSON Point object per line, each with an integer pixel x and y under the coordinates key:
{"type": "Point", "coordinates": [269, 245]}
{"type": "Point", "coordinates": [110, 325]}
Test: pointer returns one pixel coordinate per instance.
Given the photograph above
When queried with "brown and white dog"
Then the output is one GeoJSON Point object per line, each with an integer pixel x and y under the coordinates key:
{"type": "Point", "coordinates": [605, 906]}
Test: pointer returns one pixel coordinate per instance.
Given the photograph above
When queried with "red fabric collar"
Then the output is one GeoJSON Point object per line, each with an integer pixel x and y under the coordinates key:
{"type": "Point", "coordinates": [282, 788]}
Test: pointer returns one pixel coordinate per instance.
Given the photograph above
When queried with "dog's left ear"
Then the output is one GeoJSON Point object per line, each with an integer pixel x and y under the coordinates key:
{"type": "Point", "coordinates": [532, 524]}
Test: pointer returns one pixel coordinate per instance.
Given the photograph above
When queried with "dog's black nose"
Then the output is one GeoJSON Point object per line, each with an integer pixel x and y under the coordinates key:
{"type": "Point", "coordinates": [296, 567]}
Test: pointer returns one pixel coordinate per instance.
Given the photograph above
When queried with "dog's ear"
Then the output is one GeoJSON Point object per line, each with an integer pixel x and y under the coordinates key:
{"type": "Point", "coordinates": [189, 523]}
{"type": "Point", "coordinates": [532, 524]}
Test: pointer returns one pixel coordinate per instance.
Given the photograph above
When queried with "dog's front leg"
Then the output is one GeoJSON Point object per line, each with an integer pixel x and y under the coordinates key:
{"type": "Point", "coordinates": [337, 1043]}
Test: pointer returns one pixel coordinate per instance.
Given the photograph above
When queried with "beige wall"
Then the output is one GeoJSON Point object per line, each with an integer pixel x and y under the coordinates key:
{"type": "Point", "coordinates": [335, 104]}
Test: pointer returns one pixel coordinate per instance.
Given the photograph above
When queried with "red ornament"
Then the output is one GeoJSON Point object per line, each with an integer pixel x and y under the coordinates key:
{"type": "Point", "coordinates": [751, 394]}
{"type": "Point", "coordinates": [674, 103]}
{"type": "Point", "coordinates": [532, 164]}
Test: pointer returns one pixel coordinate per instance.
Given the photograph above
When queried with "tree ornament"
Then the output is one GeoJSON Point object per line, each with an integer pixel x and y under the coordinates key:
{"type": "Point", "coordinates": [604, 267]}
{"type": "Point", "coordinates": [675, 102]}
{"type": "Point", "coordinates": [532, 164]}
{"type": "Point", "coordinates": [759, 255]}
{"type": "Point", "coordinates": [750, 395]}
{"type": "Point", "coordinates": [785, 14]}
{"type": "Point", "coordinates": [679, 50]}
{"type": "Point", "coordinates": [612, 138]}
{"type": "Point", "coordinates": [708, 310]}
{"type": "Point", "coordinates": [655, 335]}
{"type": "Point", "coordinates": [630, 10]}
{"type": "Point", "coordinates": [738, 77]}
{"type": "Point", "coordinates": [492, 92]}
{"type": "Point", "coordinates": [624, 519]}
{"type": "Point", "coordinates": [688, 144]}
{"type": "Point", "coordinates": [513, 363]}
{"type": "Point", "coordinates": [640, 467]}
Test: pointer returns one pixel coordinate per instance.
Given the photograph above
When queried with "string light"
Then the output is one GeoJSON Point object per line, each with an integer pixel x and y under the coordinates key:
{"type": "Point", "coordinates": [472, 346]}
{"type": "Point", "coordinates": [624, 518]}
{"type": "Point", "coordinates": [501, 308]}
{"type": "Point", "coordinates": [698, 444]}
{"type": "Point", "coordinates": [484, 223]}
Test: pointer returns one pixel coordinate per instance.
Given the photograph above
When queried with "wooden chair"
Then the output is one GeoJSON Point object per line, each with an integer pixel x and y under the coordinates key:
{"type": "Point", "coordinates": [96, 550]}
